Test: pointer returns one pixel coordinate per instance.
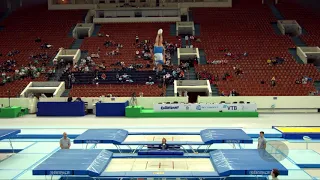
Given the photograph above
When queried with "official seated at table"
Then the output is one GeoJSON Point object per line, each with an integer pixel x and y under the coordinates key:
{"type": "Point", "coordinates": [164, 144]}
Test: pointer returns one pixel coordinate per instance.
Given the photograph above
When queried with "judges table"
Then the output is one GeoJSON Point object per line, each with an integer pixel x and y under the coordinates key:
{"type": "Point", "coordinates": [111, 108]}
{"type": "Point", "coordinates": [205, 107]}
{"type": "Point", "coordinates": [61, 109]}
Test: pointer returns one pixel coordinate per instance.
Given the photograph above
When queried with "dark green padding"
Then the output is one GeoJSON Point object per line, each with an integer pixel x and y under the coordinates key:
{"type": "Point", "coordinates": [138, 111]}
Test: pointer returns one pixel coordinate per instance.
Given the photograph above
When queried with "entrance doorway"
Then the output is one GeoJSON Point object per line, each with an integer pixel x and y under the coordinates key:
{"type": "Point", "coordinates": [193, 96]}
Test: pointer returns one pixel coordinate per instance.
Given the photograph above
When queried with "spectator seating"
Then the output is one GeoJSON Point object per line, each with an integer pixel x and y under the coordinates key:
{"type": "Point", "coordinates": [246, 28]}
{"type": "Point", "coordinates": [22, 27]}
{"type": "Point", "coordinates": [140, 77]}
{"type": "Point", "coordinates": [125, 34]}
{"type": "Point", "coordinates": [305, 16]}
{"type": "Point", "coordinates": [123, 90]}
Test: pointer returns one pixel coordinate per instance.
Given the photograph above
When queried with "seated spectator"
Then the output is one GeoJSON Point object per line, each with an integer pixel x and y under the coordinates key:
{"type": "Point", "coordinates": [233, 93]}
{"type": "Point", "coordinates": [93, 55]}
{"type": "Point", "coordinates": [226, 76]}
{"type": "Point", "coordinates": [38, 39]}
{"type": "Point", "coordinates": [262, 82]}
{"type": "Point", "coordinates": [304, 80]}
{"type": "Point", "coordinates": [273, 61]}
{"type": "Point", "coordinates": [298, 81]}
{"type": "Point", "coordinates": [100, 35]}
{"type": "Point", "coordinates": [269, 62]}
{"type": "Point", "coordinates": [222, 93]}
{"type": "Point", "coordinates": [148, 65]}
{"type": "Point", "coordinates": [279, 60]}
{"type": "Point", "coordinates": [273, 81]}
{"type": "Point", "coordinates": [103, 76]}
{"type": "Point", "coordinates": [228, 54]}
{"type": "Point", "coordinates": [245, 54]}
{"type": "Point", "coordinates": [237, 69]}
{"type": "Point", "coordinates": [69, 99]}
{"type": "Point", "coordinates": [10, 54]}
{"type": "Point", "coordinates": [181, 75]}
{"type": "Point", "coordinates": [137, 39]}
{"type": "Point", "coordinates": [150, 81]}
{"type": "Point", "coordinates": [216, 77]}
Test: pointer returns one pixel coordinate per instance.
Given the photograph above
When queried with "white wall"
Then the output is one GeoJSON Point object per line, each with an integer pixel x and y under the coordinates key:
{"type": "Point", "coordinates": [136, 19]}
{"type": "Point", "coordinates": [302, 55]}
{"type": "Point", "coordinates": [264, 103]}
{"type": "Point", "coordinates": [61, 88]}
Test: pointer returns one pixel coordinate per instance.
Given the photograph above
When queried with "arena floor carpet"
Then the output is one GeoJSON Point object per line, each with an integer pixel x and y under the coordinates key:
{"type": "Point", "coordinates": [34, 151]}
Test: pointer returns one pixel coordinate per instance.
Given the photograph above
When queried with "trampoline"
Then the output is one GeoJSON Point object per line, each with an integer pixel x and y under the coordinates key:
{"type": "Point", "coordinates": [105, 164]}
{"type": "Point", "coordinates": [205, 137]}
{"type": "Point", "coordinates": [7, 134]}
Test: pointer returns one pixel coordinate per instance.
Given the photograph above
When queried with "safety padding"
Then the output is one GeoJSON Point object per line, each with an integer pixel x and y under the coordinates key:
{"type": "Point", "coordinates": [103, 136]}
{"type": "Point", "coordinates": [90, 162]}
{"type": "Point", "coordinates": [211, 136]}
{"type": "Point", "coordinates": [8, 133]}
{"type": "Point", "coordinates": [245, 162]}
{"type": "Point", "coordinates": [160, 152]}
{"type": "Point", "coordinates": [61, 109]}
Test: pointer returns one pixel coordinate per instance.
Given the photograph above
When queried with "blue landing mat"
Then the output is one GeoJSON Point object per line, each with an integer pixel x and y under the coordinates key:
{"type": "Point", "coordinates": [8, 133]}
{"type": "Point", "coordinates": [96, 136]}
{"type": "Point", "coordinates": [245, 162]}
{"type": "Point", "coordinates": [210, 136]}
{"type": "Point", "coordinates": [90, 162]}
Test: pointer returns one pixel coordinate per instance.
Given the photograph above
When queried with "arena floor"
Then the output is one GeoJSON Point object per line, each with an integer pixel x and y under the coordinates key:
{"type": "Point", "coordinates": [20, 165]}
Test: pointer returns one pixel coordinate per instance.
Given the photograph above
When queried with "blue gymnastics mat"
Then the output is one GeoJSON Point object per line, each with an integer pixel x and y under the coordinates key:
{"type": "Point", "coordinates": [210, 136]}
{"type": "Point", "coordinates": [8, 133]}
{"type": "Point", "coordinates": [97, 136]}
{"type": "Point", "coordinates": [245, 162]}
{"type": "Point", "coordinates": [90, 162]}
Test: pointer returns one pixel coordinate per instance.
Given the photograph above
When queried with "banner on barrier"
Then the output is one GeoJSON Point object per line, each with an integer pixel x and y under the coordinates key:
{"type": "Point", "coordinates": [205, 107]}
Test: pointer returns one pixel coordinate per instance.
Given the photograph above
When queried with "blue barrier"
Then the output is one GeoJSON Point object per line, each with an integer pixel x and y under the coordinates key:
{"type": "Point", "coordinates": [61, 109]}
{"type": "Point", "coordinates": [111, 109]}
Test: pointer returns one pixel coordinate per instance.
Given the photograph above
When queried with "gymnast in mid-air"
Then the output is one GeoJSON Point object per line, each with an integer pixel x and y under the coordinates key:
{"type": "Point", "coordinates": [159, 52]}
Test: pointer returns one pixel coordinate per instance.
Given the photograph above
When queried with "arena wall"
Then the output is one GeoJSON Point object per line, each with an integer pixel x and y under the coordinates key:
{"type": "Point", "coordinates": [264, 103]}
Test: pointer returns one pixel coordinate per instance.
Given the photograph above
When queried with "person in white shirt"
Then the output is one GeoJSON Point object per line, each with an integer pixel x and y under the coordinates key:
{"type": "Point", "coordinates": [65, 142]}
{"type": "Point", "coordinates": [187, 39]}
{"type": "Point", "coordinates": [55, 61]}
